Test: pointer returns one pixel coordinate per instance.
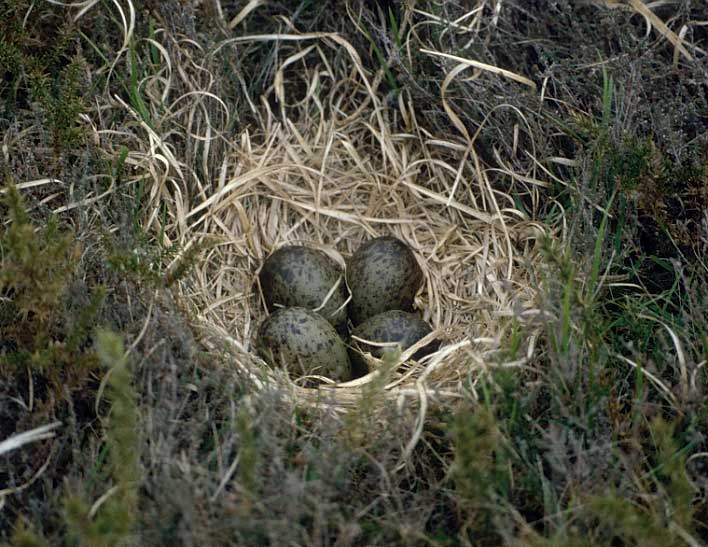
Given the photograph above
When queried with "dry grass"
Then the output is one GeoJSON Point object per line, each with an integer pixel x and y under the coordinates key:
{"type": "Point", "coordinates": [329, 164]}
{"type": "Point", "coordinates": [237, 141]}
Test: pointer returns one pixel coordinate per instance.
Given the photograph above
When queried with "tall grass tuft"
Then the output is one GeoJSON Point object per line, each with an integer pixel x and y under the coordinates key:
{"type": "Point", "coordinates": [111, 520]}
{"type": "Point", "coordinates": [481, 472]}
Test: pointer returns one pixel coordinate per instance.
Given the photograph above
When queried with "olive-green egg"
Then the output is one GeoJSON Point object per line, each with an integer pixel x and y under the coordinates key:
{"type": "Point", "coordinates": [300, 276]}
{"type": "Point", "coordinates": [390, 326]}
{"type": "Point", "coordinates": [382, 275]}
{"type": "Point", "coordinates": [304, 343]}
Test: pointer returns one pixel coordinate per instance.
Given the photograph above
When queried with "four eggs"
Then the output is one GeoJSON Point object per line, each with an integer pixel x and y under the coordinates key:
{"type": "Point", "coordinates": [313, 303]}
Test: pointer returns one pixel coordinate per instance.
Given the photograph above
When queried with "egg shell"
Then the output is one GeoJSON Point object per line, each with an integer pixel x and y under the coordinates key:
{"type": "Point", "coordinates": [382, 275]}
{"type": "Point", "coordinates": [390, 326]}
{"type": "Point", "coordinates": [303, 277]}
{"type": "Point", "coordinates": [304, 343]}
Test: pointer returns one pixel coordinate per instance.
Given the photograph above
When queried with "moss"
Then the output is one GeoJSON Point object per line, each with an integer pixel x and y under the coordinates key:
{"type": "Point", "coordinates": [480, 470]}
{"type": "Point", "coordinates": [41, 64]}
{"type": "Point", "coordinates": [24, 536]}
{"type": "Point", "coordinates": [36, 267]}
{"type": "Point", "coordinates": [60, 97]}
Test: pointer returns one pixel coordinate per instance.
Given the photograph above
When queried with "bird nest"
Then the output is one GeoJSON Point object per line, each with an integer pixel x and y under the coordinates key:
{"type": "Point", "coordinates": [330, 163]}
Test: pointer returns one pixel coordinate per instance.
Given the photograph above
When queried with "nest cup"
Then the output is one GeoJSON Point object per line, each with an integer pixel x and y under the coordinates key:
{"type": "Point", "coordinates": [330, 164]}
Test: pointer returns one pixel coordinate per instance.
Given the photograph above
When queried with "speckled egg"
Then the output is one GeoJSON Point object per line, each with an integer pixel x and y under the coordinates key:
{"type": "Point", "coordinates": [304, 343]}
{"type": "Point", "coordinates": [303, 277]}
{"type": "Point", "coordinates": [382, 275]}
{"type": "Point", "coordinates": [390, 326]}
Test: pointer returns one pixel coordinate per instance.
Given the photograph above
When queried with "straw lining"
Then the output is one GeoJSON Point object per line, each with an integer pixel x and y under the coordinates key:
{"type": "Point", "coordinates": [329, 170]}
{"type": "Point", "coordinates": [329, 163]}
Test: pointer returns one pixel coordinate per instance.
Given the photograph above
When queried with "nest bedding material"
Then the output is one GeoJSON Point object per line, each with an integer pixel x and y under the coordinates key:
{"type": "Point", "coordinates": [332, 161]}
{"type": "Point", "coordinates": [331, 169]}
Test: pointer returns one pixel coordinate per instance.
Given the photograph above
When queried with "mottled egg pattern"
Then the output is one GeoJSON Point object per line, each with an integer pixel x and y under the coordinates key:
{"type": "Point", "coordinates": [300, 276]}
{"type": "Point", "coordinates": [391, 326]}
{"type": "Point", "coordinates": [382, 275]}
{"type": "Point", "coordinates": [304, 343]}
